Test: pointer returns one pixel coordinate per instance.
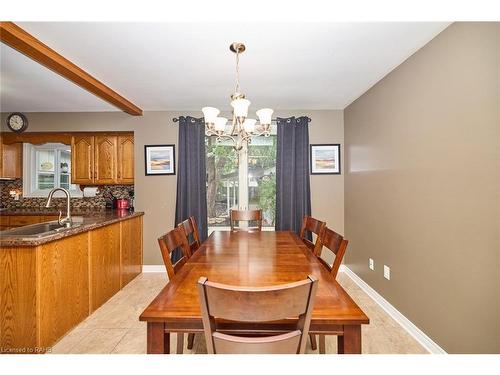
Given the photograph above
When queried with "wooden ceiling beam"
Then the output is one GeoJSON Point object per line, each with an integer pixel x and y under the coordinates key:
{"type": "Point", "coordinates": [17, 38]}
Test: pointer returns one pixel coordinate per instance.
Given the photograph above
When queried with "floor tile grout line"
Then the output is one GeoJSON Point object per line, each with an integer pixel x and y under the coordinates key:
{"type": "Point", "coordinates": [76, 343]}
{"type": "Point", "coordinates": [118, 343]}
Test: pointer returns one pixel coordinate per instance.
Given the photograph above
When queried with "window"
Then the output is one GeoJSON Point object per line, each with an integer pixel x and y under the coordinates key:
{"type": "Point", "coordinates": [255, 166]}
{"type": "Point", "coordinates": [262, 177]}
{"type": "Point", "coordinates": [46, 167]}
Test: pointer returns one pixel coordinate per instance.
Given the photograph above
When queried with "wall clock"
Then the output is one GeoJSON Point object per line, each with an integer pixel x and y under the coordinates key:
{"type": "Point", "coordinates": [17, 122]}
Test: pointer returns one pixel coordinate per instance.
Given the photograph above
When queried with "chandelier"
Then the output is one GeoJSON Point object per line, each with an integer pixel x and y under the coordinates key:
{"type": "Point", "coordinates": [242, 128]}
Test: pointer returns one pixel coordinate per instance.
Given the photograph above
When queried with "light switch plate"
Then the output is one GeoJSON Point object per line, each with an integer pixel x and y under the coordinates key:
{"type": "Point", "coordinates": [371, 264]}
{"type": "Point", "coordinates": [387, 272]}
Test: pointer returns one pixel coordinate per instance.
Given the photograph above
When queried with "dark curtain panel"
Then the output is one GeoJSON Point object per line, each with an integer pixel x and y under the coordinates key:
{"type": "Point", "coordinates": [293, 192]}
{"type": "Point", "coordinates": [191, 176]}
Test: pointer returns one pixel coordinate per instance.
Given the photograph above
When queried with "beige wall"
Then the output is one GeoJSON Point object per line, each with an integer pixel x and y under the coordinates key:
{"type": "Point", "coordinates": [156, 194]}
{"type": "Point", "coordinates": [423, 187]}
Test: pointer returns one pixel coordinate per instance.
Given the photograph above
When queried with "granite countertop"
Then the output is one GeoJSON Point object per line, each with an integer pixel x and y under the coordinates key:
{"type": "Point", "coordinates": [91, 220]}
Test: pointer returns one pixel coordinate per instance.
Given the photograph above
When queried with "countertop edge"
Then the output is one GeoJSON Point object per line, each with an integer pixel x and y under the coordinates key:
{"type": "Point", "coordinates": [20, 242]}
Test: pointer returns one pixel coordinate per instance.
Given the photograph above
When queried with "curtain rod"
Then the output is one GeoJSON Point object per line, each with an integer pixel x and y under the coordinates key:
{"type": "Point", "coordinates": [176, 119]}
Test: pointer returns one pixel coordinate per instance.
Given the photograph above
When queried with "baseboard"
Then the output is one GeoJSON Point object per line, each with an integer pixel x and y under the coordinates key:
{"type": "Point", "coordinates": [411, 328]}
{"type": "Point", "coordinates": [153, 268]}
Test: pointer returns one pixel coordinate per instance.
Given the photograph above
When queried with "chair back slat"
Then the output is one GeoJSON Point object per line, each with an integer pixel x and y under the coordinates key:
{"type": "Point", "coordinates": [168, 243]}
{"type": "Point", "coordinates": [312, 225]}
{"type": "Point", "coordinates": [245, 215]}
{"type": "Point", "coordinates": [337, 245]}
{"type": "Point", "coordinates": [190, 229]}
{"type": "Point", "coordinates": [257, 304]}
{"type": "Point", "coordinates": [280, 344]}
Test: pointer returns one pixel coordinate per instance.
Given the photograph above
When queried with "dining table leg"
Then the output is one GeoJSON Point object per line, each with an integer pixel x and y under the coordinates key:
{"type": "Point", "coordinates": [350, 342]}
{"type": "Point", "coordinates": [158, 339]}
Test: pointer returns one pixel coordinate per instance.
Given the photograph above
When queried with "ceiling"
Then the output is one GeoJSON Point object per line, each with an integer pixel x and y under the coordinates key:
{"type": "Point", "coordinates": [185, 66]}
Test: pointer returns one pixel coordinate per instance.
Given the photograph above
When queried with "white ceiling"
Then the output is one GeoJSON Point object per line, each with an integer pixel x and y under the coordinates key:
{"type": "Point", "coordinates": [183, 66]}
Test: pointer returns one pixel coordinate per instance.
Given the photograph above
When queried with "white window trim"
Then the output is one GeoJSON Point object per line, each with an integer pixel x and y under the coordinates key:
{"type": "Point", "coordinates": [29, 183]}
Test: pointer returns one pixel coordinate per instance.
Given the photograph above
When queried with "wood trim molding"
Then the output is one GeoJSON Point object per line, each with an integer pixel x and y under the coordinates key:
{"type": "Point", "coordinates": [17, 38]}
{"type": "Point", "coordinates": [38, 138]}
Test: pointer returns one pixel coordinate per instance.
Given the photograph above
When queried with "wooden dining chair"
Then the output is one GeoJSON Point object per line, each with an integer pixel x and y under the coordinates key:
{"type": "Point", "coordinates": [338, 246]}
{"type": "Point", "coordinates": [190, 229]}
{"type": "Point", "coordinates": [176, 239]}
{"type": "Point", "coordinates": [246, 215]}
{"type": "Point", "coordinates": [254, 305]}
{"type": "Point", "coordinates": [312, 225]}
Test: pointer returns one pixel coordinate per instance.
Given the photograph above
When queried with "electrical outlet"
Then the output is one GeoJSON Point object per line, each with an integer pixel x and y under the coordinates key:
{"type": "Point", "coordinates": [371, 264]}
{"type": "Point", "coordinates": [387, 272]}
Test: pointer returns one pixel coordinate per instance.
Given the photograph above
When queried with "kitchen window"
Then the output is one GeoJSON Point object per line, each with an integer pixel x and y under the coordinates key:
{"type": "Point", "coordinates": [46, 167]}
{"type": "Point", "coordinates": [257, 164]}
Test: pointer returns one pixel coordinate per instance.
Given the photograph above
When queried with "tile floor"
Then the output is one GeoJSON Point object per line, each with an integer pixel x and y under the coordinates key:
{"type": "Point", "coordinates": [115, 328]}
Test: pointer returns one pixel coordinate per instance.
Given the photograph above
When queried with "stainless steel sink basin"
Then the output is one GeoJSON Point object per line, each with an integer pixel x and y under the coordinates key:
{"type": "Point", "coordinates": [41, 230]}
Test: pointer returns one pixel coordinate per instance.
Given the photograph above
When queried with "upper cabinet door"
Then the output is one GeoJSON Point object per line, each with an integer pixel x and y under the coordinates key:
{"type": "Point", "coordinates": [126, 159]}
{"type": "Point", "coordinates": [82, 159]}
{"type": "Point", "coordinates": [11, 162]}
{"type": "Point", "coordinates": [105, 159]}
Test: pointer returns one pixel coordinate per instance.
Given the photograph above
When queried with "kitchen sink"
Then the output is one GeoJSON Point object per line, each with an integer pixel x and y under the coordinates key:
{"type": "Point", "coordinates": [41, 230]}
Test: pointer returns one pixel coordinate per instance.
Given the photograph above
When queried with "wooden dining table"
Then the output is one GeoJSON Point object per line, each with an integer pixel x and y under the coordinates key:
{"type": "Point", "coordinates": [252, 259]}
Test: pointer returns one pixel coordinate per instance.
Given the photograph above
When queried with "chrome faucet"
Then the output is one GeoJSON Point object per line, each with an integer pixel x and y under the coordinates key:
{"type": "Point", "coordinates": [62, 221]}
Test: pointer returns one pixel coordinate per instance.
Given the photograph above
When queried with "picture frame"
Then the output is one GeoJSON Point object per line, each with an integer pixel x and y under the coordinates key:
{"type": "Point", "coordinates": [325, 159]}
{"type": "Point", "coordinates": [159, 160]}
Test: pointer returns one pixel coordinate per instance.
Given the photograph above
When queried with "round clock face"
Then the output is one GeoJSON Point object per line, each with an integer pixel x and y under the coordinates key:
{"type": "Point", "coordinates": [17, 122]}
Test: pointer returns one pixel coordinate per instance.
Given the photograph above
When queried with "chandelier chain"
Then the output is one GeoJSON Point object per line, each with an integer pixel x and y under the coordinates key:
{"type": "Point", "coordinates": [237, 88]}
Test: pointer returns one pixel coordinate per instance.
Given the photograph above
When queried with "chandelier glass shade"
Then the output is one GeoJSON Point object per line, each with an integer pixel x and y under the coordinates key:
{"type": "Point", "coordinates": [242, 128]}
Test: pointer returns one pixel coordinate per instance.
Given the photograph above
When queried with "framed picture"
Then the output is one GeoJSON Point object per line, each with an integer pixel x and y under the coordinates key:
{"type": "Point", "coordinates": [159, 160]}
{"type": "Point", "coordinates": [325, 159]}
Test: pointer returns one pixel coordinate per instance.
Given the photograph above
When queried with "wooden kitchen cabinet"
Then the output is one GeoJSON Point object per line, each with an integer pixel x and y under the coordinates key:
{"type": "Point", "coordinates": [4, 223]}
{"type": "Point", "coordinates": [18, 288]}
{"type": "Point", "coordinates": [14, 221]}
{"type": "Point", "coordinates": [22, 220]}
{"type": "Point", "coordinates": [104, 264]}
{"type": "Point", "coordinates": [11, 163]}
{"type": "Point", "coordinates": [64, 275]}
{"type": "Point", "coordinates": [104, 159]}
{"type": "Point", "coordinates": [131, 243]}
{"type": "Point", "coordinates": [126, 159]}
{"type": "Point", "coordinates": [82, 159]}
{"type": "Point", "coordinates": [51, 287]}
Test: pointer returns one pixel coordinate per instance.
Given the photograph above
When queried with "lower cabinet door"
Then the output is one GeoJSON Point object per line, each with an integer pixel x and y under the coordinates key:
{"type": "Point", "coordinates": [104, 264]}
{"type": "Point", "coordinates": [131, 249]}
{"type": "Point", "coordinates": [64, 286]}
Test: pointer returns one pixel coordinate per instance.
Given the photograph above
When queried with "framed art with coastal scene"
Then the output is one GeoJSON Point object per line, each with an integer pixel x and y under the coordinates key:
{"type": "Point", "coordinates": [325, 159]}
{"type": "Point", "coordinates": [159, 159]}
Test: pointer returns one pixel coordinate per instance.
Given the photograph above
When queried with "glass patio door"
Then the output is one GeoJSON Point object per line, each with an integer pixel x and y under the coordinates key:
{"type": "Point", "coordinates": [240, 180]}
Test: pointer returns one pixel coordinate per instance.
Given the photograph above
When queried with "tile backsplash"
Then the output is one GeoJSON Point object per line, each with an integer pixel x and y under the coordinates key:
{"type": "Point", "coordinates": [104, 193]}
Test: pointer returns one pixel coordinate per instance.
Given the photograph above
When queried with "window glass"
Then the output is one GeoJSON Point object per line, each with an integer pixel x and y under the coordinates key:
{"type": "Point", "coordinates": [222, 181]}
{"type": "Point", "coordinates": [46, 167]}
{"type": "Point", "coordinates": [223, 190]}
{"type": "Point", "coordinates": [262, 177]}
